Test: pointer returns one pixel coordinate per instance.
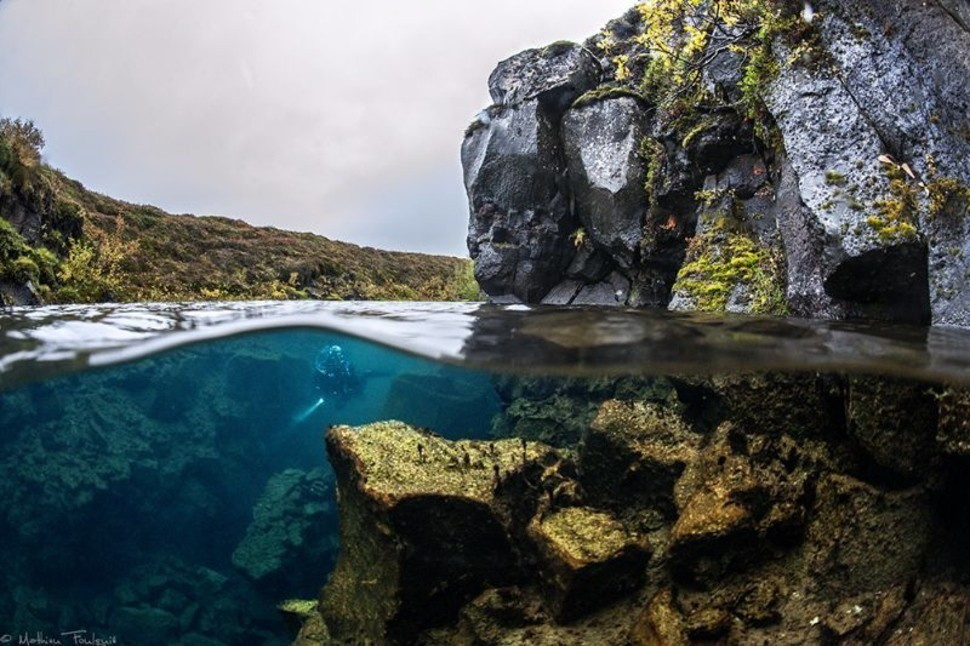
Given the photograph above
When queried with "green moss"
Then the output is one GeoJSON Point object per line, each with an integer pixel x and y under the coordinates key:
{"type": "Point", "coordinates": [557, 48]}
{"type": "Point", "coordinates": [710, 197]}
{"type": "Point", "coordinates": [398, 461]}
{"type": "Point", "coordinates": [720, 260]}
{"type": "Point", "coordinates": [604, 92]}
{"type": "Point", "coordinates": [652, 151]}
{"type": "Point", "coordinates": [833, 178]}
{"type": "Point", "coordinates": [699, 128]}
{"type": "Point", "coordinates": [895, 219]}
{"type": "Point", "coordinates": [948, 196]}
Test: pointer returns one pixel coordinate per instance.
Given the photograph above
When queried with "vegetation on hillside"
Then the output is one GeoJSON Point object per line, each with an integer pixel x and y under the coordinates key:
{"type": "Point", "coordinates": [74, 245]}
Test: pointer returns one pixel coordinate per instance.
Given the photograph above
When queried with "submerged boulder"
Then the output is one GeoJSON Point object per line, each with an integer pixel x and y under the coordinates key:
{"type": "Point", "coordinates": [422, 528]}
{"type": "Point", "coordinates": [291, 535]}
{"type": "Point", "coordinates": [587, 557]}
{"type": "Point", "coordinates": [863, 539]}
{"type": "Point", "coordinates": [632, 455]}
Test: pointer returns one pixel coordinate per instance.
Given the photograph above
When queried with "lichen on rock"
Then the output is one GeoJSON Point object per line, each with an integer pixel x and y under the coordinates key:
{"type": "Point", "coordinates": [856, 129]}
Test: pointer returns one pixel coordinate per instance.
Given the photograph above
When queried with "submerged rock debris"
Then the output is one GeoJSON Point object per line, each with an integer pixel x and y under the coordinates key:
{"type": "Point", "coordinates": [667, 523]}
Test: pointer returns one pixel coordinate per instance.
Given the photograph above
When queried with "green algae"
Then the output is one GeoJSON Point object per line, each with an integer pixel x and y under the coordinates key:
{"type": "Point", "coordinates": [465, 468]}
{"type": "Point", "coordinates": [582, 535]}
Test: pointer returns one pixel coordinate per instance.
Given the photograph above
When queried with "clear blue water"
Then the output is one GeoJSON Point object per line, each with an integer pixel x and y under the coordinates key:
{"type": "Point", "coordinates": [128, 489]}
{"type": "Point", "coordinates": [164, 474]}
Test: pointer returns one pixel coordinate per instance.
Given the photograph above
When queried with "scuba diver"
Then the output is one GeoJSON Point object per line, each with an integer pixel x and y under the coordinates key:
{"type": "Point", "coordinates": [335, 378]}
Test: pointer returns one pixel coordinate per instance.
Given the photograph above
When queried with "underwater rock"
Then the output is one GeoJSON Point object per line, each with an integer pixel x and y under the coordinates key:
{"type": "Point", "coordinates": [808, 406]}
{"type": "Point", "coordinates": [588, 559]}
{"type": "Point", "coordinates": [291, 531]}
{"type": "Point", "coordinates": [660, 623]}
{"type": "Point", "coordinates": [558, 410]}
{"type": "Point", "coordinates": [863, 539]}
{"type": "Point", "coordinates": [421, 530]}
{"type": "Point", "coordinates": [727, 531]}
{"type": "Point", "coordinates": [632, 454]}
{"type": "Point", "coordinates": [939, 615]}
{"type": "Point", "coordinates": [895, 421]}
{"type": "Point", "coordinates": [953, 435]}
{"type": "Point", "coordinates": [736, 501]}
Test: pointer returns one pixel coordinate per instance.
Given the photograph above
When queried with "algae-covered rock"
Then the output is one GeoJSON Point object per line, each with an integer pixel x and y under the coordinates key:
{"type": "Point", "coordinates": [863, 539]}
{"type": "Point", "coordinates": [421, 530]}
{"type": "Point", "coordinates": [660, 623]}
{"type": "Point", "coordinates": [588, 559]}
{"type": "Point", "coordinates": [953, 434]}
{"type": "Point", "coordinates": [302, 617]}
{"type": "Point", "coordinates": [291, 537]}
{"type": "Point", "coordinates": [895, 421]}
{"type": "Point", "coordinates": [558, 410]}
{"type": "Point", "coordinates": [799, 405]}
{"type": "Point", "coordinates": [633, 453]}
{"type": "Point", "coordinates": [939, 615]}
{"type": "Point", "coordinates": [738, 500]}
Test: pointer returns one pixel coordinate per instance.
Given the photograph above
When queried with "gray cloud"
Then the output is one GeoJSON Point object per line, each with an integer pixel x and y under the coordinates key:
{"type": "Point", "coordinates": [338, 117]}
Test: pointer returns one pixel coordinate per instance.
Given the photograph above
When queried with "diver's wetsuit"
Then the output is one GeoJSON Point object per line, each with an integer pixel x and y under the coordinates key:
{"type": "Point", "coordinates": [336, 379]}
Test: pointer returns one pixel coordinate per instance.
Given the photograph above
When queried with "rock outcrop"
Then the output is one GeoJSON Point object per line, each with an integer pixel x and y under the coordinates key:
{"type": "Point", "coordinates": [779, 163]}
{"type": "Point", "coordinates": [661, 526]}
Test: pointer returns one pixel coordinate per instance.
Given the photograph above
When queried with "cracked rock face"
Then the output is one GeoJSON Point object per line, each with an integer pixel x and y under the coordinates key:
{"type": "Point", "coordinates": [520, 222]}
{"type": "Point", "coordinates": [555, 75]}
{"type": "Point", "coordinates": [602, 142]}
{"type": "Point", "coordinates": [860, 207]}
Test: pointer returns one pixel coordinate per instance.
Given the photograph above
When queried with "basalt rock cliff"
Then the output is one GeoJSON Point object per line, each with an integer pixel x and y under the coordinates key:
{"type": "Point", "coordinates": [771, 157]}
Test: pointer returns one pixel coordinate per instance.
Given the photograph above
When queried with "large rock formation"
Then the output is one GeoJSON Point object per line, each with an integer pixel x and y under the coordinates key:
{"type": "Point", "coordinates": [663, 526]}
{"type": "Point", "coordinates": [815, 162]}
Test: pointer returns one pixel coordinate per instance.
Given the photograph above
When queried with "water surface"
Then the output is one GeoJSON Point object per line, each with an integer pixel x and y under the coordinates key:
{"type": "Point", "coordinates": [164, 470]}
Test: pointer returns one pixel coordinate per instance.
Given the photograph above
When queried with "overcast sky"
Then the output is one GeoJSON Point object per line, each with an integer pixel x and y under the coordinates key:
{"type": "Point", "coordinates": [338, 117]}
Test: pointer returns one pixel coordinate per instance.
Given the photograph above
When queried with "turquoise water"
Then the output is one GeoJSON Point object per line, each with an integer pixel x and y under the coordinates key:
{"type": "Point", "coordinates": [164, 473]}
{"type": "Point", "coordinates": [132, 494]}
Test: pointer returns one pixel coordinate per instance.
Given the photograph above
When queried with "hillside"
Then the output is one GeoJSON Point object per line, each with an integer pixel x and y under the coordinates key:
{"type": "Point", "coordinates": [60, 242]}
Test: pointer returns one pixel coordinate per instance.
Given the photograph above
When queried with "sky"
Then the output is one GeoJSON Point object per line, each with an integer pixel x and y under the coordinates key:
{"type": "Point", "coordinates": [339, 117]}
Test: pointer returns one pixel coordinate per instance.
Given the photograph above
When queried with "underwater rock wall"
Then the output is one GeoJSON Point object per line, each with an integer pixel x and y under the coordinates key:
{"type": "Point", "coordinates": [125, 493]}
{"type": "Point", "coordinates": [734, 158]}
{"type": "Point", "coordinates": [806, 509]}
